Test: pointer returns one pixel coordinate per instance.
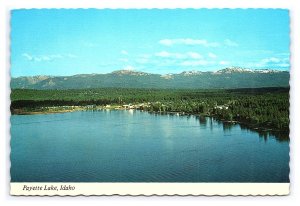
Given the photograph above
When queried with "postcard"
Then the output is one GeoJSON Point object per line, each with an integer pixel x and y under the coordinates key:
{"type": "Point", "coordinates": [149, 102]}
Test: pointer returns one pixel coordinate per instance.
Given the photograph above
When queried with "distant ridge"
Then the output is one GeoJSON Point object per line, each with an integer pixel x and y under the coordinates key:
{"type": "Point", "coordinates": [246, 70]}
{"type": "Point", "coordinates": [230, 77]}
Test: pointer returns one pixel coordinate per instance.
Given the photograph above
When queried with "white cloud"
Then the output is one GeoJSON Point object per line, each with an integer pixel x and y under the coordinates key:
{"type": "Point", "coordinates": [59, 56]}
{"type": "Point", "coordinates": [230, 43]}
{"type": "Point", "coordinates": [273, 62]}
{"type": "Point", "coordinates": [270, 60]}
{"type": "Point", "coordinates": [49, 57]}
{"type": "Point", "coordinates": [145, 55]}
{"type": "Point", "coordinates": [194, 55]}
{"type": "Point", "coordinates": [165, 54]}
{"type": "Point", "coordinates": [167, 42]}
{"type": "Point", "coordinates": [283, 65]}
{"type": "Point", "coordinates": [124, 52]}
{"type": "Point", "coordinates": [224, 62]}
{"type": "Point", "coordinates": [27, 56]}
{"type": "Point", "coordinates": [188, 41]}
{"type": "Point", "coordinates": [38, 58]}
{"type": "Point", "coordinates": [212, 55]}
{"type": "Point", "coordinates": [162, 54]}
{"type": "Point", "coordinates": [128, 67]}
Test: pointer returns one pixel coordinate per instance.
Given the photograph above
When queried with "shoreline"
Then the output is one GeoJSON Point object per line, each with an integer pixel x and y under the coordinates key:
{"type": "Point", "coordinates": [67, 109]}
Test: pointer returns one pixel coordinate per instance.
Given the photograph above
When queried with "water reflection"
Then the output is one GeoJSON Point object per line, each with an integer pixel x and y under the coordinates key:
{"type": "Point", "coordinates": [118, 146]}
{"type": "Point", "coordinates": [228, 126]}
{"type": "Point", "coordinates": [281, 136]}
{"type": "Point", "coordinates": [262, 133]}
{"type": "Point", "coordinates": [211, 123]}
{"type": "Point", "coordinates": [202, 120]}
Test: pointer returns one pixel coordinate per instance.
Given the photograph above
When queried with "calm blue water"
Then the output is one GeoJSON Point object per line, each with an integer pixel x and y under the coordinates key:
{"type": "Point", "coordinates": [134, 146]}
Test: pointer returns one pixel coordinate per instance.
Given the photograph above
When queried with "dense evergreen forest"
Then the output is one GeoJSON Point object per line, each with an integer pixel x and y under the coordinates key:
{"type": "Point", "coordinates": [261, 107]}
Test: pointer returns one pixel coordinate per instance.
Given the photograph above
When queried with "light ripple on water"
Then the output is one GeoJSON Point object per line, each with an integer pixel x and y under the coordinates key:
{"type": "Point", "coordinates": [121, 147]}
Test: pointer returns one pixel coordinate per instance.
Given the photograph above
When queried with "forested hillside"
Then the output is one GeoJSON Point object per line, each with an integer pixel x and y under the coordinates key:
{"type": "Point", "coordinates": [260, 107]}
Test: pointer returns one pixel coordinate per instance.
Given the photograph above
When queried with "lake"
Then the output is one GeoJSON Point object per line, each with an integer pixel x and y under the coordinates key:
{"type": "Point", "coordinates": [135, 146]}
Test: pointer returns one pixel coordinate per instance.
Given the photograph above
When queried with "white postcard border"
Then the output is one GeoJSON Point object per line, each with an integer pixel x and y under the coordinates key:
{"type": "Point", "coordinates": [147, 189]}
{"type": "Point", "coordinates": [273, 188]}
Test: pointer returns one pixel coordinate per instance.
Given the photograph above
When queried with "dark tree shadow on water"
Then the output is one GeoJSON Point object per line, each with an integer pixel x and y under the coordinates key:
{"type": "Point", "coordinates": [281, 136]}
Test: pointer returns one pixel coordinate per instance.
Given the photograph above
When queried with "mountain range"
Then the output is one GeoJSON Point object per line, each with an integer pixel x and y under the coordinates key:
{"type": "Point", "coordinates": [228, 78]}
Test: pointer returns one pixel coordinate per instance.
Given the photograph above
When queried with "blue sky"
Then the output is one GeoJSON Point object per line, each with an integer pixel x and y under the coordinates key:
{"type": "Point", "coordinates": [78, 41]}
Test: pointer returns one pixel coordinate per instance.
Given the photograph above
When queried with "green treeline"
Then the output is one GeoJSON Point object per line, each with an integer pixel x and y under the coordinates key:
{"type": "Point", "coordinates": [264, 107]}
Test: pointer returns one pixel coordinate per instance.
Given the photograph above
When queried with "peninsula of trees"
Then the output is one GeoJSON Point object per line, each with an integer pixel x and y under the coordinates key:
{"type": "Point", "coordinates": [265, 108]}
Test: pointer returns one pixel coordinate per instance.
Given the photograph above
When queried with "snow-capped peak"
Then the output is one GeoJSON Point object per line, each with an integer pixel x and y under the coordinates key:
{"type": "Point", "coordinates": [229, 70]}
{"type": "Point", "coordinates": [190, 73]}
{"type": "Point", "coordinates": [129, 72]}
